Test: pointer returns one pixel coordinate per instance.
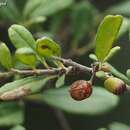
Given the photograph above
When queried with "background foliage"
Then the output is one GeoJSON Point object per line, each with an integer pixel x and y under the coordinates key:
{"type": "Point", "coordinates": [73, 24]}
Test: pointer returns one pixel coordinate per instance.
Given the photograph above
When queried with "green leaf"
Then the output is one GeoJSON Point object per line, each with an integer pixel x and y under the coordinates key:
{"type": "Point", "coordinates": [118, 74]}
{"type": "Point", "coordinates": [20, 88]}
{"type": "Point", "coordinates": [60, 82]}
{"type": "Point", "coordinates": [26, 56]}
{"type": "Point", "coordinates": [94, 105]}
{"type": "Point", "coordinates": [120, 8]}
{"type": "Point", "coordinates": [82, 20]}
{"type": "Point", "coordinates": [36, 8]}
{"type": "Point", "coordinates": [100, 74]}
{"type": "Point", "coordinates": [93, 57]}
{"type": "Point", "coordinates": [10, 12]}
{"type": "Point", "coordinates": [128, 73]}
{"type": "Point", "coordinates": [106, 34]}
{"type": "Point", "coordinates": [118, 126]}
{"type": "Point", "coordinates": [111, 53]}
{"type": "Point", "coordinates": [18, 127]}
{"type": "Point", "coordinates": [21, 37]}
{"type": "Point", "coordinates": [11, 113]}
{"type": "Point", "coordinates": [36, 20]}
{"type": "Point", "coordinates": [124, 27]}
{"type": "Point", "coordinates": [46, 47]}
{"type": "Point", "coordinates": [5, 56]}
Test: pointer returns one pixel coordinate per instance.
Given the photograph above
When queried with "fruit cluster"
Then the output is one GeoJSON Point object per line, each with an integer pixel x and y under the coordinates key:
{"type": "Point", "coordinates": [82, 89]}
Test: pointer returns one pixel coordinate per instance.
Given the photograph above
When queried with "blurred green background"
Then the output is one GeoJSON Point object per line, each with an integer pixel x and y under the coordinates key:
{"type": "Point", "coordinates": [73, 23]}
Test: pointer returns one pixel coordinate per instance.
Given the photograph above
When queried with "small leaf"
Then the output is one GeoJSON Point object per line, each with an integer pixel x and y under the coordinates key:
{"type": "Point", "coordinates": [60, 82]}
{"type": "Point", "coordinates": [106, 34]}
{"type": "Point", "coordinates": [18, 127]}
{"type": "Point", "coordinates": [100, 74]}
{"type": "Point", "coordinates": [21, 37]}
{"type": "Point", "coordinates": [11, 113]}
{"type": "Point", "coordinates": [36, 8]}
{"type": "Point", "coordinates": [94, 105]}
{"type": "Point", "coordinates": [128, 73]}
{"type": "Point", "coordinates": [20, 88]}
{"type": "Point", "coordinates": [46, 47]}
{"type": "Point", "coordinates": [5, 56]}
{"type": "Point", "coordinates": [112, 52]}
{"type": "Point", "coordinates": [26, 56]}
{"type": "Point", "coordinates": [93, 57]}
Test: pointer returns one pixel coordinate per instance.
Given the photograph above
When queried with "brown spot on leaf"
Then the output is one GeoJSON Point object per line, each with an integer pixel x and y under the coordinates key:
{"type": "Point", "coordinates": [15, 94]}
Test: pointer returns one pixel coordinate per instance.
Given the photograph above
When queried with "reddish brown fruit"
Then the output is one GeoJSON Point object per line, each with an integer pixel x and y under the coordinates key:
{"type": "Point", "coordinates": [80, 90]}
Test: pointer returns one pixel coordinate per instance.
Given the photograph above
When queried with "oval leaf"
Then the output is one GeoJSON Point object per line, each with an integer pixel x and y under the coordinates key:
{"type": "Point", "coordinates": [106, 34]}
{"type": "Point", "coordinates": [94, 105]}
{"type": "Point", "coordinates": [5, 56]}
{"type": "Point", "coordinates": [46, 47]}
{"type": "Point", "coordinates": [26, 56]}
{"type": "Point", "coordinates": [23, 87]}
{"type": "Point", "coordinates": [21, 37]}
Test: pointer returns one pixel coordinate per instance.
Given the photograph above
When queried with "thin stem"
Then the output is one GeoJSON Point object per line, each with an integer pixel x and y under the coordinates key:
{"type": "Point", "coordinates": [119, 74]}
{"type": "Point", "coordinates": [69, 62]}
{"type": "Point", "coordinates": [62, 120]}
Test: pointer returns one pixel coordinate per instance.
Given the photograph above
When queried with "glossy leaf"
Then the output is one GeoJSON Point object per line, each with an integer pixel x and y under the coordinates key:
{"type": "Point", "coordinates": [46, 47]}
{"type": "Point", "coordinates": [26, 56]}
{"type": "Point", "coordinates": [36, 8]}
{"type": "Point", "coordinates": [23, 87]}
{"type": "Point", "coordinates": [11, 113]}
{"type": "Point", "coordinates": [60, 82]}
{"type": "Point", "coordinates": [106, 34]}
{"type": "Point", "coordinates": [21, 37]}
{"type": "Point", "coordinates": [5, 56]}
{"type": "Point", "coordinates": [94, 105]}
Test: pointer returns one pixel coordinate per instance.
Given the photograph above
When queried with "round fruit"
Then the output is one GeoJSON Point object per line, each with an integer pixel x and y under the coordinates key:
{"type": "Point", "coordinates": [80, 90]}
{"type": "Point", "coordinates": [115, 85]}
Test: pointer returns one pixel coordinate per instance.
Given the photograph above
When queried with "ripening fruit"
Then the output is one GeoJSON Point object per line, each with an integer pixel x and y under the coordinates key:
{"type": "Point", "coordinates": [115, 85]}
{"type": "Point", "coordinates": [80, 90]}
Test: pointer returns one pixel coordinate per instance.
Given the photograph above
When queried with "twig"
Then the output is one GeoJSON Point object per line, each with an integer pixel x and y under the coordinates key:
{"type": "Point", "coordinates": [62, 120]}
{"type": "Point", "coordinates": [72, 68]}
{"type": "Point", "coordinates": [69, 62]}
